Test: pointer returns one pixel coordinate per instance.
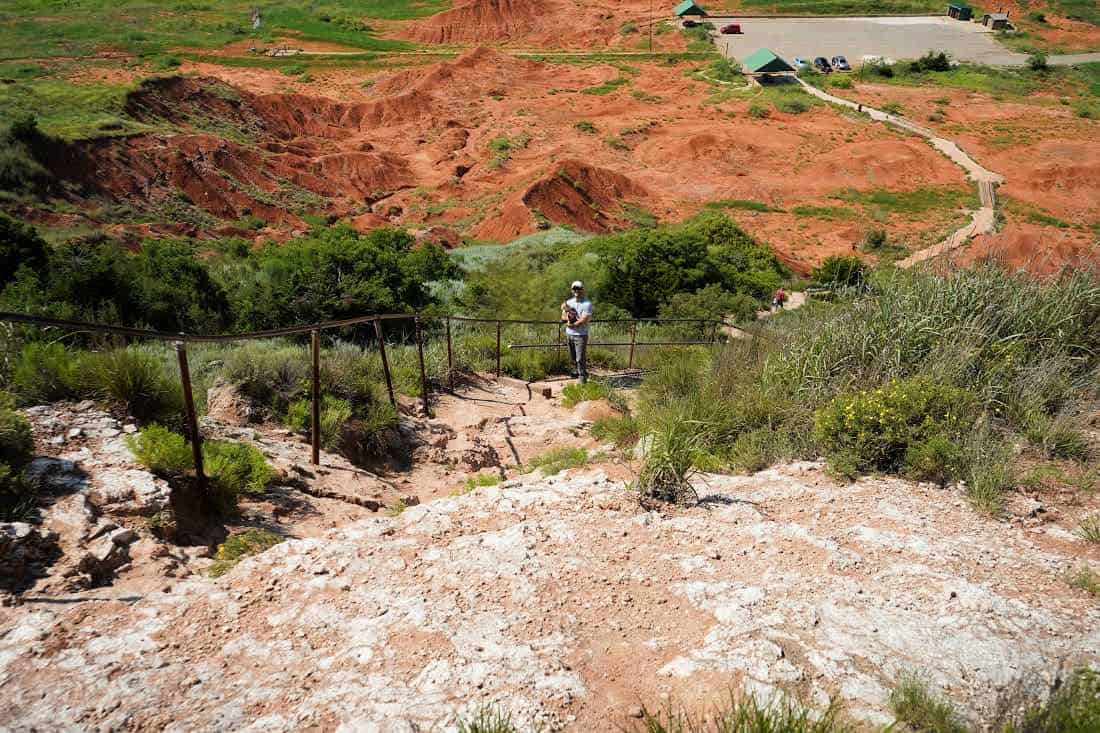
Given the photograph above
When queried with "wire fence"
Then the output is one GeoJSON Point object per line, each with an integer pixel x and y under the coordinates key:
{"type": "Point", "coordinates": [507, 335]}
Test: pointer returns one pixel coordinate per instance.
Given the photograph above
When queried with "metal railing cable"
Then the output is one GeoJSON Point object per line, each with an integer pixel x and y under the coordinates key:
{"type": "Point", "coordinates": [180, 340]}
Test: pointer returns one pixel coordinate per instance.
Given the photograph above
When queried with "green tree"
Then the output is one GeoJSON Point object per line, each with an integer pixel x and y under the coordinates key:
{"type": "Point", "coordinates": [20, 246]}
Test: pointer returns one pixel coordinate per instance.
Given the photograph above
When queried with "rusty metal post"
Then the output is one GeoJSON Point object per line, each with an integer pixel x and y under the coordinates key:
{"type": "Point", "coordinates": [633, 340]}
{"type": "Point", "coordinates": [192, 417]}
{"type": "Point", "coordinates": [315, 424]}
{"type": "Point", "coordinates": [450, 359]}
{"type": "Point", "coordinates": [498, 351]}
{"type": "Point", "coordinates": [385, 363]}
{"type": "Point", "coordinates": [558, 355]}
{"type": "Point", "coordinates": [420, 357]}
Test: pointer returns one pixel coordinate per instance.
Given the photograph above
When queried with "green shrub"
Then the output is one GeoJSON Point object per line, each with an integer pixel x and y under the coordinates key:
{"type": "Point", "coordinates": [758, 111]}
{"type": "Point", "coordinates": [335, 414]}
{"type": "Point", "coordinates": [586, 127]}
{"type": "Point", "coordinates": [711, 303]}
{"type": "Point", "coordinates": [16, 438]}
{"type": "Point", "coordinates": [622, 430]}
{"type": "Point", "coordinates": [44, 372]}
{"type": "Point", "coordinates": [1070, 707]}
{"type": "Point", "coordinates": [161, 450]}
{"type": "Point", "coordinates": [931, 61]}
{"type": "Point", "coordinates": [134, 378]}
{"type": "Point", "coordinates": [270, 373]}
{"type": "Point", "coordinates": [923, 710]}
{"type": "Point", "coordinates": [724, 69]}
{"type": "Point", "coordinates": [1037, 61]}
{"type": "Point", "coordinates": [879, 426]}
{"type": "Point", "coordinates": [558, 460]}
{"type": "Point", "coordinates": [239, 546]}
{"type": "Point", "coordinates": [487, 719]}
{"type": "Point", "coordinates": [234, 469]}
{"type": "Point", "coordinates": [937, 458]}
{"type": "Point", "coordinates": [792, 106]}
{"type": "Point", "coordinates": [397, 508]}
{"type": "Point", "coordinates": [17, 501]}
{"type": "Point", "coordinates": [874, 239]}
{"type": "Point", "coordinates": [840, 271]}
{"type": "Point", "coordinates": [893, 108]}
{"type": "Point", "coordinates": [841, 82]}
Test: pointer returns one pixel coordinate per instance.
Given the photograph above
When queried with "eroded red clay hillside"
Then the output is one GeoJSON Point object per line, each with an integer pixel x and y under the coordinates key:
{"type": "Point", "coordinates": [491, 147]}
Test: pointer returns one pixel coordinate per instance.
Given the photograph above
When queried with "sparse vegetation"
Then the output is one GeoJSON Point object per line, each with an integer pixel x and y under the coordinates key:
{"type": "Point", "coordinates": [480, 480]}
{"type": "Point", "coordinates": [923, 710]}
{"type": "Point", "coordinates": [487, 719]}
{"type": "Point", "coordinates": [574, 394]}
{"type": "Point", "coordinates": [743, 714]}
{"type": "Point", "coordinates": [1089, 529]}
{"type": "Point", "coordinates": [586, 127]}
{"type": "Point", "coordinates": [558, 460]}
{"type": "Point", "coordinates": [1083, 578]}
{"type": "Point", "coordinates": [622, 430]}
{"type": "Point", "coordinates": [239, 546]}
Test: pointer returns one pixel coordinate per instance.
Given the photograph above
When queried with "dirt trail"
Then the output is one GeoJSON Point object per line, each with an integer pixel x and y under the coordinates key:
{"type": "Point", "coordinates": [982, 221]}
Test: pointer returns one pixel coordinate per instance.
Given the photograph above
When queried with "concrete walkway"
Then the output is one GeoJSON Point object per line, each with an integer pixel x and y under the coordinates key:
{"type": "Point", "coordinates": [982, 222]}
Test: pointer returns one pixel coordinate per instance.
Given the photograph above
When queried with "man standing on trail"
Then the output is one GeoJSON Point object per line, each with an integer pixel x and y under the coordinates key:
{"type": "Point", "coordinates": [780, 298]}
{"type": "Point", "coordinates": [577, 312]}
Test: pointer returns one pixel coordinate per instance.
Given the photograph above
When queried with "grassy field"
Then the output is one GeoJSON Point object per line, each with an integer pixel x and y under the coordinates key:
{"type": "Point", "coordinates": [1082, 79]}
{"type": "Point", "coordinates": [62, 28]}
{"type": "Point", "coordinates": [839, 7]}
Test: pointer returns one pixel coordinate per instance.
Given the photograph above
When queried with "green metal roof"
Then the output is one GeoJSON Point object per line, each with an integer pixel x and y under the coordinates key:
{"type": "Point", "coordinates": [688, 7]}
{"type": "Point", "coordinates": [764, 61]}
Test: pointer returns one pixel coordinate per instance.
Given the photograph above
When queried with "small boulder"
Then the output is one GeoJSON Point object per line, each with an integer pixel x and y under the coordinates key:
{"type": "Point", "coordinates": [593, 410]}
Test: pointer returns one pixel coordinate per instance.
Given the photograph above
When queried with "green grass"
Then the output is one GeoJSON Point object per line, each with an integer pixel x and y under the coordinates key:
{"type": "Point", "coordinates": [825, 212]}
{"type": "Point", "coordinates": [743, 714]}
{"type": "Point", "coordinates": [923, 710]}
{"type": "Point", "coordinates": [1083, 578]}
{"type": "Point", "coordinates": [480, 480]}
{"type": "Point", "coordinates": [34, 29]}
{"type": "Point", "coordinates": [607, 87]}
{"type": "Point", "coordinates": [574, 394]}
{"type": "Point", "coordinates": [1089, 529]}
{"type": "Point", "coordinates": [558, 460]}
{"type": "Point", "coordinates": [487, 719]}
{"type": "Point", "coordinates": [842, 7]}
{"type": "Point", "coordinates": [741, 204]}
{"type": "Point", "coordinates": [912, 203]}
{"type": "Point", "coordinates": [70, 111]}
{"type": "Point", "coordinates": [239, 546]}
{"type": "Point", "coordinates": [622, 430]}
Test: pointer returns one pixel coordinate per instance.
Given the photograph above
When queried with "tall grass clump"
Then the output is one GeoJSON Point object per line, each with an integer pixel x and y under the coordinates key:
{"type": "Point", "coordinates": [1067, 706]}
{"type": "Point", "coordinates": [675, 445]}
{"type": "Point", "coordinates": [744, 715]}
{"type": "Point", "coordinates": [487, 719]}
{"type": "Point", "coordinates": [921, 709]}
{"type": "Point", "coordinates": [933, 375]}
{"type": "Point", "coordinates": [557, 460]}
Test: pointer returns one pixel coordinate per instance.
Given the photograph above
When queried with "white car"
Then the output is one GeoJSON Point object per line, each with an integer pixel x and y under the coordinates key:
{"type": "Point", "coordinates": [801, 63]}
{"type": "Point", "coordinates": [841, 64]}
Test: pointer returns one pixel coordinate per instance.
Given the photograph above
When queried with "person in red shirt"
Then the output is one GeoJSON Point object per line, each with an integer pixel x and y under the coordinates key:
{"type": "Point", "coordinates": [779, 299]}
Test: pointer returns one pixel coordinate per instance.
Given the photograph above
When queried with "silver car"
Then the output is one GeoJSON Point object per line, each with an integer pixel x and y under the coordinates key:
{"type": "Point", "coordinates": [841, 64]}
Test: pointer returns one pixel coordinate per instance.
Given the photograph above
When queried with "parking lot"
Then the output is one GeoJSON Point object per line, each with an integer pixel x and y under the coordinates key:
{"type": "Point", "coordinates": [893, 37]}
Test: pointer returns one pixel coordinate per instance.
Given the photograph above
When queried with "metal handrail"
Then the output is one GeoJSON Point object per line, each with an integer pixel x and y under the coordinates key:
{"type": "Point", "coordinates": [182, 339]}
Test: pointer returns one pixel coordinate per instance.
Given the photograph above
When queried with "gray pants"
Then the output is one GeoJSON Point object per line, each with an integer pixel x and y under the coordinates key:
{"type": "Point", "coordinates": [578, 354]}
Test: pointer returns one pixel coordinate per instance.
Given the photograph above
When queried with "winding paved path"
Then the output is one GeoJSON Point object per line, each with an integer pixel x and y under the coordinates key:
{"type": "Point", "coordinates": [982, 222]}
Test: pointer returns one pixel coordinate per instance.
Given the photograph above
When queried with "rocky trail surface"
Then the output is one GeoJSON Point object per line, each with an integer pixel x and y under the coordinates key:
{"type": "Point", "coordinates": [561, 601]}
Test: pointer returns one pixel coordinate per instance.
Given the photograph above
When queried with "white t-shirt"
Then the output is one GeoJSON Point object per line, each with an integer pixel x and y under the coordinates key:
{"type": "Point", "coordinates": [583, 308]}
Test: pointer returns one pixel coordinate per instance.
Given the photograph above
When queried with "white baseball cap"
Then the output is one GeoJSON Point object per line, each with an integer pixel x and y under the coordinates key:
{"type": "Point", "coordinates": [577, 285]}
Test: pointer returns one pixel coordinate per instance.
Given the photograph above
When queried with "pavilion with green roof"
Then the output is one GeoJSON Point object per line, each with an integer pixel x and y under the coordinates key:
{"type": "Point", "coordinates": [689, 7]}
{"type": "Point", "coordinates": [765, 61]}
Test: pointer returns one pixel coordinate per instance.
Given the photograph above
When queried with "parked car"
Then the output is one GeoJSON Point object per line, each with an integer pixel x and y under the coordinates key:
{"type": "Point", "coordinates": [841, 64]}
{"type": "Point", "coordinates": [690, 23]}
{"type": "Point", "coordinates": [822, 65]}
{"type": "Point", "coordinates": [731, 29]}
{"type": "Point", "coordinates": [801, 63]}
